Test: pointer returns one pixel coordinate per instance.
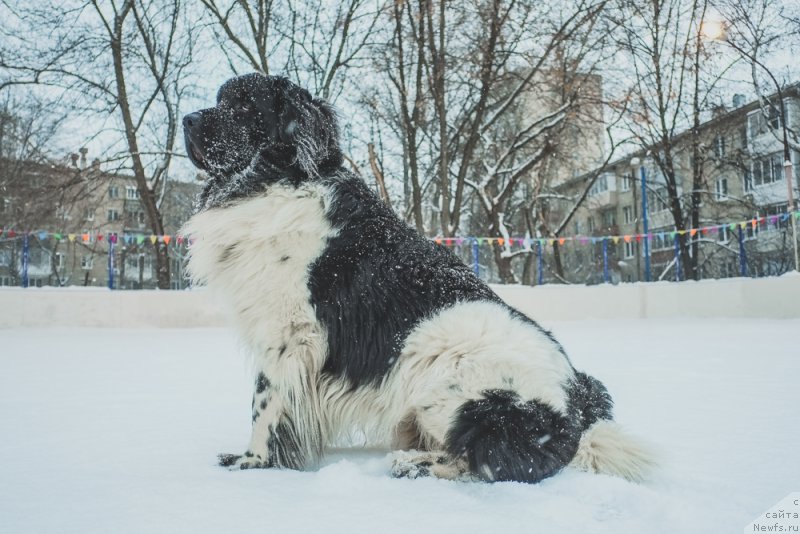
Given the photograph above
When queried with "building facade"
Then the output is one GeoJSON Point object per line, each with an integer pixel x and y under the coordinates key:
{"type": "Point", "coordinates": [61, 219]}
{"type": "Point", "coordinates": [742, 153]}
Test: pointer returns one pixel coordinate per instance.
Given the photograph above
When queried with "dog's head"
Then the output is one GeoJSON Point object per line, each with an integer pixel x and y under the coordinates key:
{"type": "Point", "coordinates": [263, 129]}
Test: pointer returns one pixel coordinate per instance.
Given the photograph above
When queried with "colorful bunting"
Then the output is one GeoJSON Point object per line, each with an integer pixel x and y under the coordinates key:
{"type": "Point", "coordinates": [526, 242]}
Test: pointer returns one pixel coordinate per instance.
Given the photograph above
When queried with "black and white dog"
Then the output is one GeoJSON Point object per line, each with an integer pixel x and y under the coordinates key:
{"type": "Point", "coordinates": [358, 323]}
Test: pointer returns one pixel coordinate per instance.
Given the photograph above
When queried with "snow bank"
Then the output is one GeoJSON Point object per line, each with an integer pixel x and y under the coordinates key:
{"type": "Point", "coordinates": [732, 297]}
{"type": "Point", "coordinates": [116, 430]}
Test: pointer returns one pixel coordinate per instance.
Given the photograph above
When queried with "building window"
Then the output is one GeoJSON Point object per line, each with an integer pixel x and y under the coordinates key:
{"type": "Point", "coordinates": [131, 193]}
{"type": "Point", "coordinates": [775, 209]}
{"type": "Point", "coordinates": [629, 250]}
{"type": "Point", "coordinates": [774, 119]}
{"type": "Point", "coordinates": [721, 189]}
{"type": "Point", "coordinates": [764, 171]}
{"type": "Point", "coordinates": [657, 200]}
{"type": "Point", "coordinates": [758, 123]}
{"type": "Point", "coordinates": [600, 185]}
{"type": "Point", "coordinates": [113, 191]}
{"type": "Point", "coordinates": [719, 146]}
{"type": "Point", "coordinates": [590, 224]}
{"type": "Point", "coordinates": [60, 260]}
{"type": "Point", "coordinates": [724, 234]}
{"type": "Point", "coordinates": [609, 218]}
{"type": "Point", "coordinates": [113, 215]}
{"type": "Point", "coordinates": [578, 228]}
{"type": "Point", "coordinates": [626, 182]}
{"type": "Point", "coordinates": [88, 214]}
{"type": "Point", "coordinates": [87, 261]}
{"type": "Point", "coordinates": [627, 214]}
{"type": "Point", "coordinates": [5, 205]}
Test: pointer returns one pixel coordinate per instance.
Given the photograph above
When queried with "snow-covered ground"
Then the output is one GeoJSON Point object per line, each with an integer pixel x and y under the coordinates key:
{"type": "Point", "coordinates": [105, 430]}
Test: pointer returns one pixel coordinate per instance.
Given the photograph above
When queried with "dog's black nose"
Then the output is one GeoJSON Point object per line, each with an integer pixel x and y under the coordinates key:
{"type": "Point", "coordinates": [192, 121]}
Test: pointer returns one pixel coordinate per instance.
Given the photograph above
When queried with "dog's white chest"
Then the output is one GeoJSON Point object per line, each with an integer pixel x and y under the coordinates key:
{"type": "Point", "coordinates": [256, 255]}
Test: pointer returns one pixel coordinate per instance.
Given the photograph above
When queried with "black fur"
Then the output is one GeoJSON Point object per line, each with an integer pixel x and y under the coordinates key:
{"type": "Point", "coordinates": [373, 283]}
{"type": "Point", "coordinates": [376, 280]}
{"type": "Point", "coordinates": [589, 399]}
{"type": "Point", "coordinates": [504, 438]}
{"type": "Point", "coordinates": [255, 136]}
{"type": "Point", "coordinates": [262, 383]}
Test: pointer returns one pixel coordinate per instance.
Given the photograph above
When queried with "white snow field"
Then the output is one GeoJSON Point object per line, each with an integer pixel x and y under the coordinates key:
{"type": "Point", "coordinates": [117, 430]}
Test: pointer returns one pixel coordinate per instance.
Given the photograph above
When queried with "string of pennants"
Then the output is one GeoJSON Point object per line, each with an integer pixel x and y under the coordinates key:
{"type": "Point", "coordinates": [98, 237]}
{"type": "Point", "coordinates": [139, 239]}
{"type": "Point", "coordinates": [754, 223]}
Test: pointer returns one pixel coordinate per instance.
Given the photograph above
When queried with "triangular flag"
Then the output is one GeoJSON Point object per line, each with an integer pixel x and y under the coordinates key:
{"type": "Point", "coordinates": [437, 241]}
{"type": "Point", "coordinates": [12, 233]}
{"type": "Point", "coordinates": [42, 236]}
{"type": "Point", "coordinates": [99, 237]}
{"type": "Point", "coordinates": [179, 239]}
{"type": "Point", "coordinates": [57, 236]}
{"type": "Point", "coordinates": [693, 232]}
{"type": "Point", "coordinates": [167, 239]}
{"type": "Point", "coordinates": [627, 238]}
{"type": "Point", "coordinates": [139, 239]}
{"type": "Point", "coordinates": [153, 239]}
{"type": "Point", "coordinates": [743, 225]}
{"type": "Point", "coordinates": [552, 242]}
{"type": "Point", "coordinates": [85, 238]}
{"type": "Point", "coordinates": [500, 241]}
{"type": "Point", "coordinates": [71, 237]}
{"type": "Point", "coordinates": [615, 239]}
{"type": "Point", "coordinates": [754, 223]}
{"type": "Point", "coordinates": [561, 241]}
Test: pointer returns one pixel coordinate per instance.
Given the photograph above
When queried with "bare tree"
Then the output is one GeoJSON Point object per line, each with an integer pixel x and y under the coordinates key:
{"type": "Point", "coordinates": [127, 60]}
{"type": "Point", "coordinates": [674, 81]}
{"type": "Point", "coordinates": [470, 98]}
{"type": "Point", "coordinates": [312, 42]}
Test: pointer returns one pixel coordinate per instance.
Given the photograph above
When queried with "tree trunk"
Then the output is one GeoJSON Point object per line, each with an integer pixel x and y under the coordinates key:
{"type": "Point", "coordinates": [146, 193]}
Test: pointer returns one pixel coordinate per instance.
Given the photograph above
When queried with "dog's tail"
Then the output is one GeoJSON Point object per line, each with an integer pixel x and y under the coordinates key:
{"type": "Point", "coordinates": [604, 446]}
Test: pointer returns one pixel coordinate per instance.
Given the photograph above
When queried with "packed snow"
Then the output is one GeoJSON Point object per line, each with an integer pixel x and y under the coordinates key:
{"type": "Point", "coordinates": [107, 430]}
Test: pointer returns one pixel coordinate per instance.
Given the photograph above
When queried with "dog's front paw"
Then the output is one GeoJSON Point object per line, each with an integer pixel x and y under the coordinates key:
{"type": "Point", "coordinates": [237, 462]}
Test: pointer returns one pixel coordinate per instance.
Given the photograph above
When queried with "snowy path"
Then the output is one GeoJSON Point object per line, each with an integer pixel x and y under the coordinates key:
{"type": "Point", "coordinates": [117, 431]}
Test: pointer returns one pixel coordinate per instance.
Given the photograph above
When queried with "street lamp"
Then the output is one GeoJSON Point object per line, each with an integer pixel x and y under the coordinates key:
{"type": "Point", "coordinates": [636, 163]}
{"type": "Point", "coordinates": [718, 31]}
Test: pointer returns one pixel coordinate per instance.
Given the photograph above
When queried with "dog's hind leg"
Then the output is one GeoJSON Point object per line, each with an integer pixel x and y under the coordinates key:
{"type": "Point", "coordinates": [497, 436]}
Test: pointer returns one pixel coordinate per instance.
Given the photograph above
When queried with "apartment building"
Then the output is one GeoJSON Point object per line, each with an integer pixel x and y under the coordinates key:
{"type": "Point", "coordinates": [69, 210]}
{"type": "Point", "coordinates": [742, 165]}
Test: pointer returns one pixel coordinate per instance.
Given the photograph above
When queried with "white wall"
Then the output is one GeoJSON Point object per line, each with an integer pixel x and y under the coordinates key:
{"type": "Point", "coordinates": [734, 297]}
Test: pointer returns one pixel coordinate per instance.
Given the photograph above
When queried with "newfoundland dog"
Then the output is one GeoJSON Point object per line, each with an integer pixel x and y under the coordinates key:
{"type": "Point", "coordinates": [360, 325]}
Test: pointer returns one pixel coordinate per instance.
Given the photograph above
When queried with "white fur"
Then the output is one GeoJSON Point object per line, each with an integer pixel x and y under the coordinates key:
{"type": "Point", "coordinates": [447, 360]}
{"type": "Point", "coordinates": [256, 254]}
{"type": "Point", "coordinates": [606, 448]}
{"type": "Point", "coordinates": [264, 281]}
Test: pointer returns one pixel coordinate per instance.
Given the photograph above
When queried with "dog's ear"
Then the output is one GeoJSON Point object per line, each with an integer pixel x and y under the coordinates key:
{"type": "Point", "coordinates": [295, 103]}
